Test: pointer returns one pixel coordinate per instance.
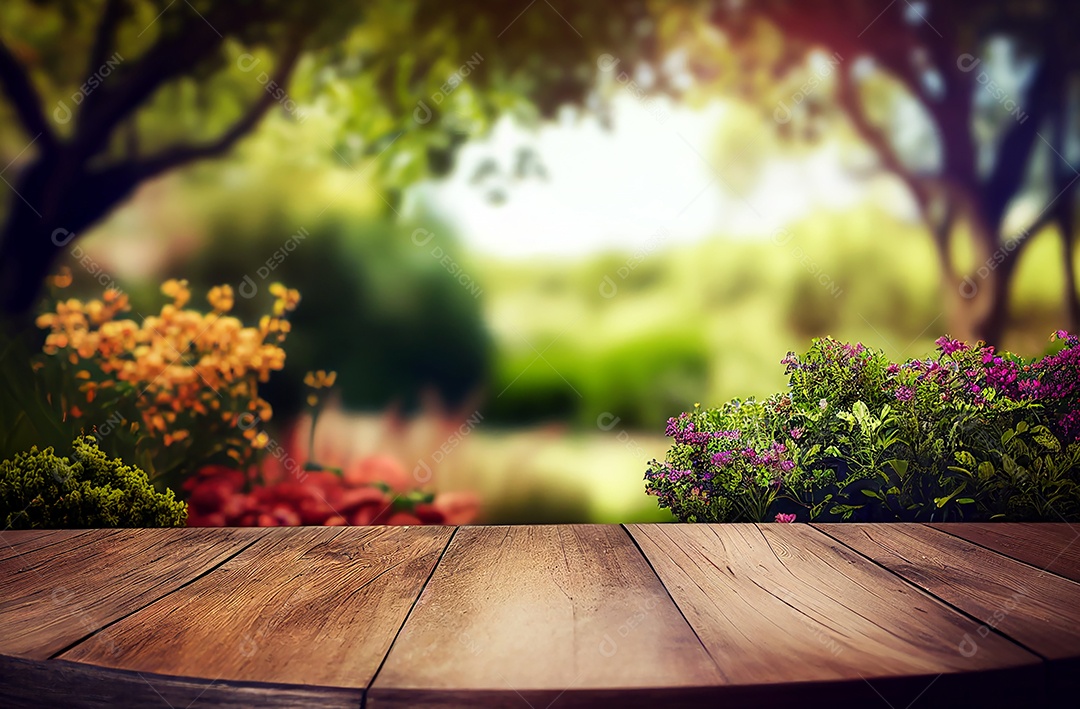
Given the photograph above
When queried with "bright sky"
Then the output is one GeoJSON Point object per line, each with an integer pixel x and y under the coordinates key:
{"type": "Point", "coordinates": [618, 188]}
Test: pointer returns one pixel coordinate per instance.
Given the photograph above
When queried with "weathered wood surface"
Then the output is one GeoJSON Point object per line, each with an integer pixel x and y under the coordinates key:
{"type": "Point", "coordinates": [1035, 608]}
{"type": "Point", "coordinates": [1053, 547]}
{"type": "Point", "coordinates": [59, 594]}
{"type": "Point", "coordinates": [310, 606]}
{"type": "Point", "coordinates": [14, 542]}
{"type": "Point", "coordinates": [570, 615]}
{"type": "Point", "coordinates": [542, 613]}
{"type": "Point", "coordinates": [781, 605]}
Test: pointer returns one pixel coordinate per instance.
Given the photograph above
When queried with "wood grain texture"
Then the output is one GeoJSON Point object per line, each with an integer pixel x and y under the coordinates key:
{"type": "Point", "coordinates": [316, 606]}
{"type": "Point", "coordinates": [1054, 547]}
{"type": "Point", "coordinates": [783, 606]}
{"type": "Point", "coordinates": [1035, 608]}
{"type": "Point", "coordinates": [31, 684]}
{"type": "Point", "coordinates": [14, 542]}
{"type": "Point", "coordinates": [58, 594]}
{"type": "Point", "coordinates": [571, 613]}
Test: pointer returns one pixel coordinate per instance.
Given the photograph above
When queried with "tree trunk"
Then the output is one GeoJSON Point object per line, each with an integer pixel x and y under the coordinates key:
{"type": "Point", "coordinates": [990, 326]}
{"type": "Point", "coordinates": [27, 251]}
{"type": "Point", "coordinates": [1072, 298]}
{"type": "Point", "coordinates": [59, 200]}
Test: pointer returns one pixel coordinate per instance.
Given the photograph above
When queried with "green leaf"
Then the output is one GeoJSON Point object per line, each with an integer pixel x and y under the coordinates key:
{"type": "Point", "coordinates": [899, 465]}
{"type": "Point", "coordinates": [1047, 440]}
{"type": "Point", "coordinates": [942, 501]}
{"type": "Point", "coordinates": [965, 459]}
{"type": "Point", "coordinates": [1021, 427]}
{"type": "Point", "coordinates": [964, 500]}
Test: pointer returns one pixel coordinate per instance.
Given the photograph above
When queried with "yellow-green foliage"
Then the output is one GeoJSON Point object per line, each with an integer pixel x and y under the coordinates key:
{"type": "Point", "coordinates": [40, 490]}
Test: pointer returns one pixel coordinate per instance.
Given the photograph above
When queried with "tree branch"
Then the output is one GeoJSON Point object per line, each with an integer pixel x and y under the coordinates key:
{"type": "Point", "coordinates": [25, 99]}
{"type": "Point", "coordinates": [171, 55]}
{"type": "Point", "coordinates": [105, 37]}
{"type": "Point", "coordinates": [182, 154]}
{"type": "Point", "coordinates": [848, 97]}
{"type": "Point", "coordinates": [1008, 171]}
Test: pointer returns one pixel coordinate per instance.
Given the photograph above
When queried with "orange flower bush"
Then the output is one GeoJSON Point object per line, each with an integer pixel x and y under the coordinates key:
{"type": "Point", "coordinates": [165, 391]}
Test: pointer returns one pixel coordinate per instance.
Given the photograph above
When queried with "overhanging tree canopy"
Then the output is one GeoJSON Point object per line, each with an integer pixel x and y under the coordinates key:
{"type": "Point", "coordinates": [996, 83]}
{"type": "Point", "coordinates": [122, 73]}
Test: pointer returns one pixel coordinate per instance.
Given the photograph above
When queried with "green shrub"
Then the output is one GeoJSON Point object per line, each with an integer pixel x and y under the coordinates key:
{"type": "Point", "coordinates": [970, 435]}
{"type": "Point", "coordinates": [638, 379]}
{"type": "Point", "coordinates": [40, 490]}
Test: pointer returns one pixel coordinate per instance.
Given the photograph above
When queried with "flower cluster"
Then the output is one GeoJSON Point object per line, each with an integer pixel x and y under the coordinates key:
{"type": "Point", "coordinates": [177, 382]}
{"type": "Point", "coordinates": [220, 496]}
{"type": "Point", "coordinates": [969, 434]}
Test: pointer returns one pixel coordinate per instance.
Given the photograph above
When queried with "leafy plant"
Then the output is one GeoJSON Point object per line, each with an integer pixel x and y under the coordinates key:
{"type": "Point", "coordinates": [170, 391]}
{"type": "Point", "coordinates": [969, 435]}
{"type": "Point", "coordinates": [39, 489]}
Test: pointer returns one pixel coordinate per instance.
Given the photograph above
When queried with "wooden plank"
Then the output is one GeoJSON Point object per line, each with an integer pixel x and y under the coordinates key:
{"type": "Point", "coordinates": [14, 542]}
{"type": "Point", "coordinates": [571, 613]}
{"type": "Point", "coordinates": [1054, 547]}
{"type": "Point", "coordinates": [1033, 607]}
{"type": "Point", "coordinates": [29, 684]}
{"type": "Point", "coordinates": [783, 608]}
{"type": "Point", "coordinates": [56, 595]}
{"type": "Point", "coordinates": [315, 606]}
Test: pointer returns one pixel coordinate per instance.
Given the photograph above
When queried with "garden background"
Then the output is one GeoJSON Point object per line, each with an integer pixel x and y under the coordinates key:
{"type": "Point", "coordinates": [523, 237]}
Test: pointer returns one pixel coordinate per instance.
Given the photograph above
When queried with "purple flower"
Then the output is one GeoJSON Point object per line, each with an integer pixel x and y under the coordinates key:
{"type": "Point", "coordinates": [722, 458]}
{"type": "Point", "coordinates": [781, 517]}
{"type": "Point", "coordinates": [1029, 388]}
{"type": "Point", "coordinates": [904, 393]}
{"type": "Point", "coordinates": [796, 433]}
{"type": "Point", "coordinates": [948, 345]}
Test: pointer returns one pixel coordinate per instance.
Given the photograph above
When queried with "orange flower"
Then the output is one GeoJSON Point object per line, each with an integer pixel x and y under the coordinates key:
{"type": "Point", "coordinates": [177, 290]}
{"type": "Point", "coordinates": [181, 364]}
{"type": "Point", "coordinates": [221, 298]}
{"type": "Point", "coordinates": [62, 279]}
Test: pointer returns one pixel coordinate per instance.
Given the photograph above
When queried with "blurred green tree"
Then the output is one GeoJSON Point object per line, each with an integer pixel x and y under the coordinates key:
{"type": "Point", "coordinates": [993, 88]}
{"type": "Point", "coordinates": [112, 93]}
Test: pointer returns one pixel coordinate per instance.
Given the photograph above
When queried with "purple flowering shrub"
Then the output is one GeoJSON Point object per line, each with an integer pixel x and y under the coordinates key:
{"type": "Point", "coordinates": [971, 434]}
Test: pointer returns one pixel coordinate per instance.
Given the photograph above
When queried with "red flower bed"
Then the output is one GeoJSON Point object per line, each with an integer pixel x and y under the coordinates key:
{"type": "Point", "coordinates": [220, 497]}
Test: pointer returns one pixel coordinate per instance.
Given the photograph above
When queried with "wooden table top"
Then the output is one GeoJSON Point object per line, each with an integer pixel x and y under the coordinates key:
{"type": "Point", "coordinates": [899, 615]}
